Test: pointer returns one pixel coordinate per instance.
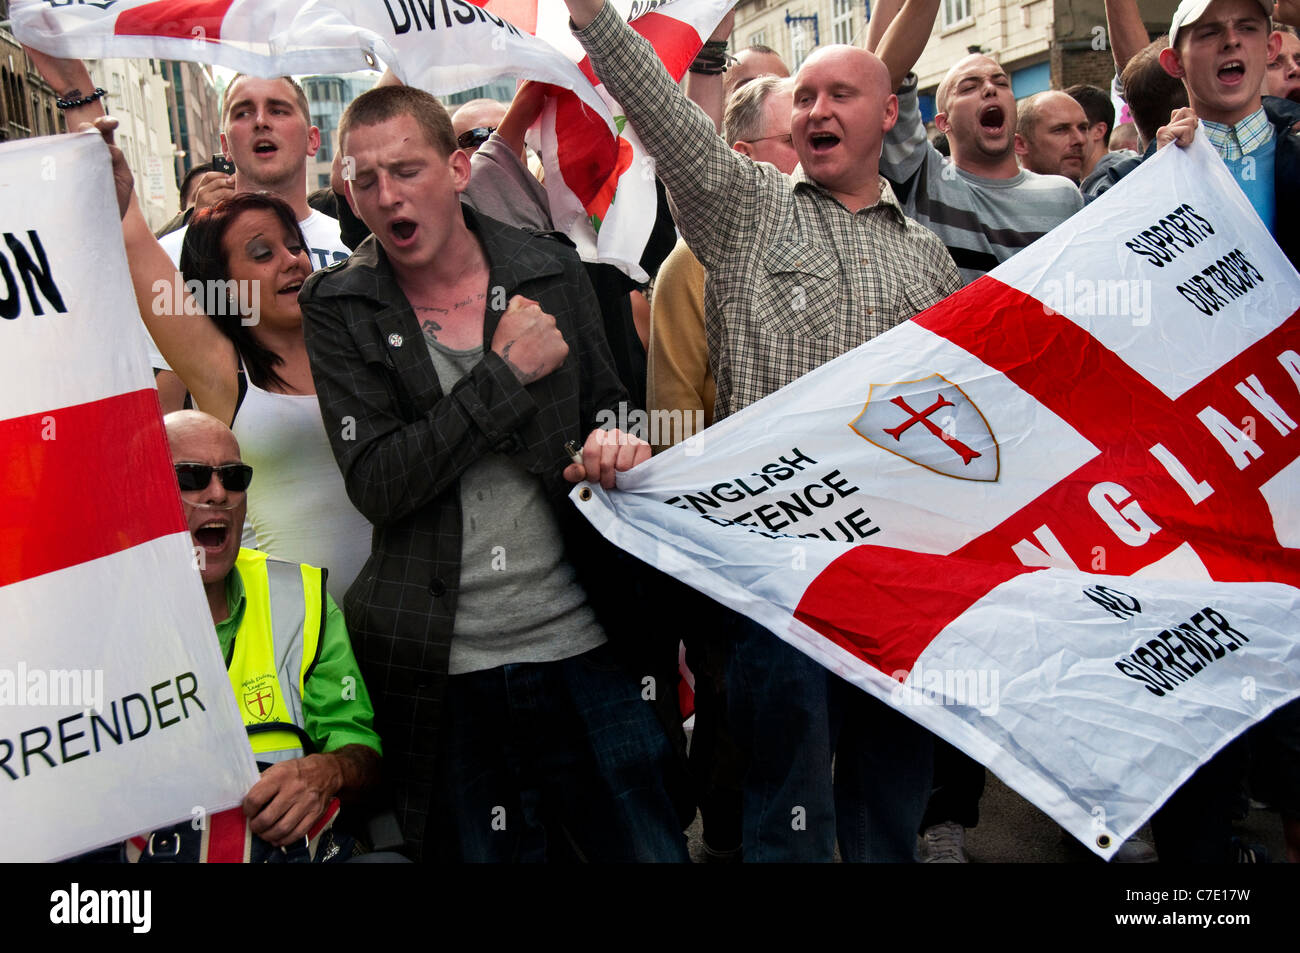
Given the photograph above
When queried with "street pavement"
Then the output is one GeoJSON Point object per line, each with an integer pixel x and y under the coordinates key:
{"type": "Point", "coordinates": [1013, 831]}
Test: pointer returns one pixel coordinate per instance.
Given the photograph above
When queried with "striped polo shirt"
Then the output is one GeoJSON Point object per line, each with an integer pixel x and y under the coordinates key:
{"type": "Point", "coordinates": [982, 221]}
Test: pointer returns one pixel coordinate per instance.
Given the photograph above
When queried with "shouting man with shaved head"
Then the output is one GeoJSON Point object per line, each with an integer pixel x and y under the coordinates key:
{"type": "Point", "coordinates": [985, 208]}
{"type": "Point", "coordinates": [801, 268]}
{"type": "Point", "coordinates": [979, 201]}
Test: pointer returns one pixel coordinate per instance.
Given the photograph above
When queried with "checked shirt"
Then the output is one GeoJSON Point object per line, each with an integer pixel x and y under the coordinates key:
{"type": "Point", "coordinates": [795, 279]}
{"type": "Point", "coordinates": [402, 445]}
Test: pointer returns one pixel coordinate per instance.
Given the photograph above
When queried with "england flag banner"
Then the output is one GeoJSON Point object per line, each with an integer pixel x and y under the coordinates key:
{"type": "Point", "coordinates": [600, 183]}
{"type": "Point", "coordinates": [1055, 518]}
{"type": "Point", "coordinates": [116, 713]}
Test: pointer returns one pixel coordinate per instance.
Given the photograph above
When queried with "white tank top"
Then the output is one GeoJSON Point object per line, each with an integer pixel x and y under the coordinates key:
{"type": "Point", "coordinates": [297, 504]}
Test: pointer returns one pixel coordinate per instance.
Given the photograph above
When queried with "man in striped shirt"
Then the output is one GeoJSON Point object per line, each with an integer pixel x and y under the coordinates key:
{"type": "Point", "coordinates": [980, 202]}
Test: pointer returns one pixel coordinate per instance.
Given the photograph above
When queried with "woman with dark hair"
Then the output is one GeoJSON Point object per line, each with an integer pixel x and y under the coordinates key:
{"type": "Point", "coordinates": [232, 330]}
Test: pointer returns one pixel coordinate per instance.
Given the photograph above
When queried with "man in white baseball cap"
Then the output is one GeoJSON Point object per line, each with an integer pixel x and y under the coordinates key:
{"type": "Point", "coordinates": [1220, 49]}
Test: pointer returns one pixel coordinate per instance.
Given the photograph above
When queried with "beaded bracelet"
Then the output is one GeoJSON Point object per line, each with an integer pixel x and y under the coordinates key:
{"type": "Point", "coordinates": [713, 59]}
{"type": "Point", "coordinates": [85, 100]}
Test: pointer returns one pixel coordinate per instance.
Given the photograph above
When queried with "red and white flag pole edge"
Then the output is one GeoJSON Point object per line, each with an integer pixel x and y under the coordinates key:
{"type": "Point", "coordinates": [111, 681]}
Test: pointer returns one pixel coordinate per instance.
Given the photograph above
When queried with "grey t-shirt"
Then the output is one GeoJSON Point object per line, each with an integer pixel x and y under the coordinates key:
{"type": "Point", "coordinates": [982, 221]}
{"type": "Point", "coordinates": [501, 187]}
{"type": "Point", "coordinates": [519, 600]}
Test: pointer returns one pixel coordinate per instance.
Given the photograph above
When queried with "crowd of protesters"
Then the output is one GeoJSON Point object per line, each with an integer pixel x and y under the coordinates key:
{"type": "Point", "coordinates": [415, 380]}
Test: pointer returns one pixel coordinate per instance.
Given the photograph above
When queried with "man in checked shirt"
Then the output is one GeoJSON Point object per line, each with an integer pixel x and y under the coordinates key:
{"type": "Point", "coordinates": [801, 268]}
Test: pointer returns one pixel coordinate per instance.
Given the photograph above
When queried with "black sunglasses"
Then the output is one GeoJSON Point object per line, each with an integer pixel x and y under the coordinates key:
{"type": "Point", "coordinates": [235, 477]}
{"type": "Point", "coordinates": [473, 138]}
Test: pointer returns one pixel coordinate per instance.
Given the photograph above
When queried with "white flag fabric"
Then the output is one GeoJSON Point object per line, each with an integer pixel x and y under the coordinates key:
{"type": "Point", "coordinates": [1118, 402]}
{"type": "Point", "coordinates": [600, 183]}
{"type": "Point", "coordinates": [116, 713]}
{"type": "Point", "coordinates": [601, 190]}
{"type": "Point", "coordinates": [443, 46]}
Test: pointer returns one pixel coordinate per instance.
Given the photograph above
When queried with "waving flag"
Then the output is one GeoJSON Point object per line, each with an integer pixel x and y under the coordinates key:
{"type": "Point", "coordinates": [116, 715]}
{"type": "Point", "coordinates": [599, 180]}
{"type": "Point", "coordinates": [601, 188]}
{"type": "Point", "coordinates": [1119, 403]}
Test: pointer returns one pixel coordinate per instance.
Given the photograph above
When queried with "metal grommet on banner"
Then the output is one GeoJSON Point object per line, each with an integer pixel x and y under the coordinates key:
{"type": "Point", "coordinates": [1103, 841]}
{"type": "Point", "coordinates": [370, 59]}
{"type": "Point", "coordinates": [164, 844]}
{"type": "Point", "coordinates": [584, 494]}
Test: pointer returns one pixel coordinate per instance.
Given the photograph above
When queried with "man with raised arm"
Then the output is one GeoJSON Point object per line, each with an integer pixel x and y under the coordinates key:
{"type": "Point", "coordinates": [979, 201]}
{"type": "Point", "coordinates": [801, 268]}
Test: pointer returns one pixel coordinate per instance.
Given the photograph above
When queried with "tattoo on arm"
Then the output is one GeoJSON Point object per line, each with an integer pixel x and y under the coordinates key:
{"type": "Point", "coordinates": [523, 376]}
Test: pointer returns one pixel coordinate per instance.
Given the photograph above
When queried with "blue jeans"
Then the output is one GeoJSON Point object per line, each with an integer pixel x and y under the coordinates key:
{"type": "Point", "coordinates": [547, 760]}
{"type": "Point", "coordinates": [791, 717]}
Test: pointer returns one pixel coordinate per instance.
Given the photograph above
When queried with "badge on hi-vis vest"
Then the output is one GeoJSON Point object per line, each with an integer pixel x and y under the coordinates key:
{"type": "Point", "coordinates": [932, 423]}
{"type": "Point", "coordinates": [259, 697]}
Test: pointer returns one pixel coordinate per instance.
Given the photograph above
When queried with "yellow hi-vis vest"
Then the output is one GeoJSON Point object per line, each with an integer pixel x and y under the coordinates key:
{"type": "Point", "coordinates": [275, 649]}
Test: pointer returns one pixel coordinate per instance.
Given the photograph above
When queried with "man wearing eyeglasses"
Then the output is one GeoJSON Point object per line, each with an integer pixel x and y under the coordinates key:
{"type": "Point", "coordinates": [266, 611]}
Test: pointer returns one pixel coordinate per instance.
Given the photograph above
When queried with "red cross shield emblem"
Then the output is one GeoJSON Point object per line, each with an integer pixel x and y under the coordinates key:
{"type": "Point", "coordinates": [932, 423]}
{"type": "Point", "coordinates": [259, 699]}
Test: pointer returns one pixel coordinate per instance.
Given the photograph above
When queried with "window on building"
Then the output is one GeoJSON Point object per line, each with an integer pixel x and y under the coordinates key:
{"type": "Point", "coordinates": [323, 180]}
{"type": "Point", "coordinates": [842, 21]}
{"type": "Point", "coordinates": [955, 13]}
{"type": "Point", "coordinates": [20, 105]}
{"type": "Point", "coordinates": [801, 42]}
{"type": "Point", "coordinates": [758, 39]}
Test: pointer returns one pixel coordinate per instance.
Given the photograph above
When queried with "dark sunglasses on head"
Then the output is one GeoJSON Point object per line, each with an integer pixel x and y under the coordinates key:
{"type": "Point", "coordinates": [235, 477]}
{"type": "Point", "coordinates": [473, 138]}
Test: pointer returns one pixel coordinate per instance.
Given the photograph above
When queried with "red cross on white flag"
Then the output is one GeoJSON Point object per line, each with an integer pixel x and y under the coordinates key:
{"type": "Point", "coordinates": [1118, 402]}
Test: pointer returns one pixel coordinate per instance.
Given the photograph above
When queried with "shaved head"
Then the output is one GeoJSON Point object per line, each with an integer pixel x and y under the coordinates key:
{"type": "Point", "coordinates": [1052, 135]}
{"type": "Point", "coordinates": [751, 63]}
{"type": "Point", "coordinates": [183, 425]}
{"type": "Point", "coordinates": [975, 61]}
{"type": "Point", "coordinates": [976, 109]}
{"type": "Point", "coordinates": [851, 59]}
{"type": "Point", "coordinates": [213, 514]}
{"type": "Point", "coordinates": [843, 106]}
{"type": "Point", "coordinates": [477, 114]}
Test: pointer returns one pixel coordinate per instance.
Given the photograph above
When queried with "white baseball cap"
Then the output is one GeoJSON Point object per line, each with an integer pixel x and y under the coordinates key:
{"type": "Point", "coordinates": [1189, 11]}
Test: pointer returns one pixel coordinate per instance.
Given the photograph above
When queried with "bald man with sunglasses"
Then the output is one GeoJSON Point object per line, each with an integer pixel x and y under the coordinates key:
{"type": "Point", "coordinates": [291, 666]}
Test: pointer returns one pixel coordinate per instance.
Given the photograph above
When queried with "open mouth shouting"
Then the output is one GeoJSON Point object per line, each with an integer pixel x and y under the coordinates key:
{"type": "Point", "coordinates": [212, 535]}
{"type": "Point", "coordinates": [822, 142]}
{"type": "Point", "coordinates": [265, 147]}
{"type": "Point", "coordinates": [402, 230]}
{"type": "Point", "coordinates": [1232, 73]}
{"type": "Point", "coordinates": [215, 530]}
{"type": "Point", "coordinates": [993, 119]}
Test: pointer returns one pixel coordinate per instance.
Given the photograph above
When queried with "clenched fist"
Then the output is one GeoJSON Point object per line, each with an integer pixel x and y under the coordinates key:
{"type": "Point", "coordinates": [528, 340]}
